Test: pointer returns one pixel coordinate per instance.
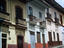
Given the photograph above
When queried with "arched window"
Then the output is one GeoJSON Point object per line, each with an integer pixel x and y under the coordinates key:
{"type": "Point", "coordinates": [3, 5]}
{"type": "Point", "coordinates": [19, 12]}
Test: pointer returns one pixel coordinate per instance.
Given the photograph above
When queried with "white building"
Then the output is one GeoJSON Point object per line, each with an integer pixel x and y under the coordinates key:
{"type": "Point", "coordinates": [36, 24]}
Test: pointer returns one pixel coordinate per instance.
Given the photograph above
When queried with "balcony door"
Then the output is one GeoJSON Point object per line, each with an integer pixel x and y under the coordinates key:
{"type": "Point", "coordinates": [20, 41]}
{"type": "Point", "coordinates": [32, 37]}
{"type": "Point", "coordinates": [43, 37]}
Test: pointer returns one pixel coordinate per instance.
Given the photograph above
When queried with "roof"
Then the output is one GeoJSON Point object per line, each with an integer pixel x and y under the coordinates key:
{"type": "Point", "coordinates": [55, 5]}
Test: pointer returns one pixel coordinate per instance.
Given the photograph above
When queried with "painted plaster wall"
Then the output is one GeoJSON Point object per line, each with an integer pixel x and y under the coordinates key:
{"type": "Point", "coordinates": [36, 28]}
{"type": "Point", "coordinates": [11, 10]}
{"type": "Point", "coordinates": [62, 29]}
{"type": "Point", "coordinates": [36, 10]}
{"type": "Point", "coordinates": [51, 27]}
{"type": "Point", "coordinates": [63, 19]}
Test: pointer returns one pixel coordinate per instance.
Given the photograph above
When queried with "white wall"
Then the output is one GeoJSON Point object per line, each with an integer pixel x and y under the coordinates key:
{"type": "Point", "coordinates": [36, 10]}
{"type": "Point", "coordinates": [62, 34]}
{"type": "Point", "coordinates": [36, 28]}
{"type": "Point", "coordinates": [51, 27]}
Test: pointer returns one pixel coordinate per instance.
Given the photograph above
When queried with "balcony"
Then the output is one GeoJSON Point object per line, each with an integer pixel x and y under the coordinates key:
{"type": "Point", "coordinates": [31, 27]}
{"type": "Point", "coordinates": [4, 18]}
{"type": "Point", "coordinates": [32, 19]}
{"type": "Point", "coordinates": [21, 23]}
{"type": "Point", "coordinates": [4, 15]}
{"type": "Point", "coordinates": [54, 43]}
{"type": "Point", "coordinates": [56, 20]}
{"type": "Point", "coordinates": [43, 24]}
{"type": "Point", "coordinates": [49, 17]}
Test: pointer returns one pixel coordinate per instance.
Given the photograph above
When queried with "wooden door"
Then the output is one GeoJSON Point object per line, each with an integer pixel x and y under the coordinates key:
{"type": "Point", "coordinates": [20, 41]}
{"type": "Point", "coordinates": [4, 40]}
{"type": "Point", "coordinates": [43, 38]}
{"type": "Point", "coordinates": [3, 43]}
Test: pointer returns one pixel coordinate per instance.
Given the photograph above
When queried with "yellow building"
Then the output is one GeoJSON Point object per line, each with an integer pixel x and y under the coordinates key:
{"type": "Point", "coordinates": [12, 23]}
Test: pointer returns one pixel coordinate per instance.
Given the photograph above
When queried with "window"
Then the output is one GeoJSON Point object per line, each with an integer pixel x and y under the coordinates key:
{"type": "Point", "coordinates": [40, 15]}
{"type": "Point", "coordinates": [38, 37]}
{"type": "Point", "coordinates": [61, 19]}
{"type": "Point", "coordinates": [57, 37]}
{"type": "Point", "coordinates": [4, 40]}
{"type": "Point", "coordinates": [50, 36]}
{"type": "Point", "coordinates": [43, 38]}
{"type": "Point", "coordinates": [3, 5]}
{"type": "Point", "coordinates": [19, 12]}
{"type": "Point", "coordinates": [54, 35]}
{"type": "Point", "coordinates": [47, 10]}
{"type": "Point", "coordinates": [55, 14]}
{"type": "Point", "coordinates": [30, 11]}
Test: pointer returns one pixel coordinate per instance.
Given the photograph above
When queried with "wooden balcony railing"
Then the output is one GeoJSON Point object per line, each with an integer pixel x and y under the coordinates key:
{"type": "Point", "coordinates": [32, 19]}
{"type": "Point", "coordinates": [56, 20]}
{"type": "Point", "coordinates": [42, 24]}
{"type": "Point", "coordinates": [54, 43]}
{"type": "Point", "coordinates": [49, 17]}
{"type": "Point", "coordinates": [4, 16]}
{"type": "Point", "coordinates": [21, 22]}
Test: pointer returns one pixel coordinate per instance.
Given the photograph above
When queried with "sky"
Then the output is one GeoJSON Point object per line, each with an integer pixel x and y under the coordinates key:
{"type": "Point", "coordinates": [61, 2]}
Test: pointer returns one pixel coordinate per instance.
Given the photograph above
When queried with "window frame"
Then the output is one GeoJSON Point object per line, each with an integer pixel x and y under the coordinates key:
{"type": "Point", "coordinates": [30, 11]}
{"type": "Point", "coordinates": [38, 37]}
{"type": "Point", "coordinates": [50, 36]}
{"type": "Point", "coordinates": [19, 15]}
{"type": "Point", "coordinates": [40, 15]}
{"type": "Point", "coordinates": [3, 6]}
{"type": "Point", "coordinates": [54, 36]}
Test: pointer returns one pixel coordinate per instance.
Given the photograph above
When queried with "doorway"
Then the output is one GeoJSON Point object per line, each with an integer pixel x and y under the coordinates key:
{"type": "Point", "coordinates": [43, 38]}
{"type": "Point", "coordinates": [3, 43]}
{"type": "Point", "coordinates": [20, 41]}
{"type": "Point", "coordinates": [32, 37]}
{"type": "Point", "coordinates": [4, 40]}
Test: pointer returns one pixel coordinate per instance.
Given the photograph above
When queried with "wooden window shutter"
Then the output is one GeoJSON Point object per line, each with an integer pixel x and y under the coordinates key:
{"type": "Point", "coordinates": [19, 12]}
{"type": "Point", "coordinates": [54, 35]}
{"type": "Point", "coordinates": [50, 36]}
{"type": "Point", "coordinates": [57, 36]}
{"type": "Point", "coordinates": [38, 37]}
{"type": "Point", "coordinates": [3, 5]}
{"type": "Point", "coordinates": [61, 19]}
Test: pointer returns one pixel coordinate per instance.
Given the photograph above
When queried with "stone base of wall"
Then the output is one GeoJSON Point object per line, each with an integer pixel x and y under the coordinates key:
{"type": "Point", "coordinates": [12, 46]}
{"type": "Point", "coordinates": [54, 43]}
{"type": "Point", "coordinates": [46, 45]}
{"type": "Point", "coordinates": [39, 45]}
{"type": "Point", "coordinates": [26, 45]}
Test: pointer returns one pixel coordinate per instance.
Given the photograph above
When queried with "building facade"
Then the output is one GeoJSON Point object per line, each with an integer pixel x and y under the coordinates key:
{"type": "Point", "coordinates": [36, 24]}
{"type": "Point", "coordinates": [53, 27]}
{"type": "Point", "coordinates": [29, 24]}
{"type": "Point", "coordinates": [12, 23]}
{"type": "Point", "coordinates": [62, 29]}
{"type": "Point", "coordinates": [20, 28]}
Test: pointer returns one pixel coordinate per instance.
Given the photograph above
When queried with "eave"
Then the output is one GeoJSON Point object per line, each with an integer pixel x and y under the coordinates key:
{"type": "Point", "coordinates": [55, 5]}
